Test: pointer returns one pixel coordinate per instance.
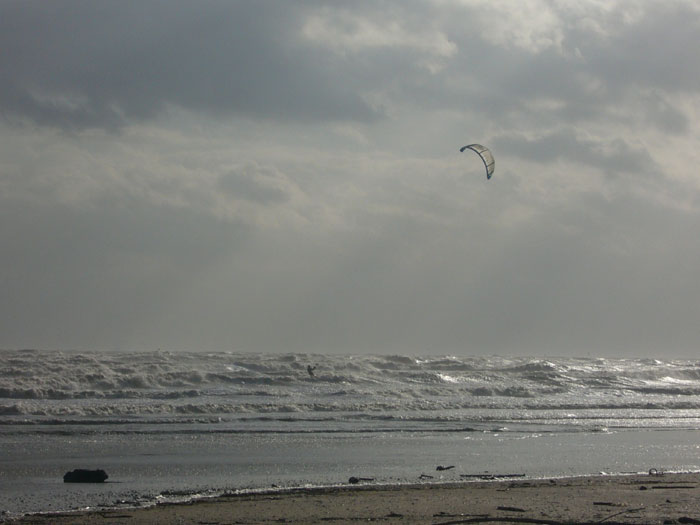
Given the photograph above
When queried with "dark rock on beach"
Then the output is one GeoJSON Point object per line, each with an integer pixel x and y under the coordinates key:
{"type": "Point", "coordinates": [80, 475]}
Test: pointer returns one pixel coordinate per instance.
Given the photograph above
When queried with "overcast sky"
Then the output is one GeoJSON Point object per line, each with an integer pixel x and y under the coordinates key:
{"type": "Point", "coordinates": [286, 177]}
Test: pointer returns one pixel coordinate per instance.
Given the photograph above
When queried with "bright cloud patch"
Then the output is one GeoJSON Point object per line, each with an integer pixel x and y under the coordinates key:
{"type": "Point", "coordinates": [346, 32]}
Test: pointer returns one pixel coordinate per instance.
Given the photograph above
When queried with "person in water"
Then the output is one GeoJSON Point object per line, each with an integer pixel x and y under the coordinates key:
{"type": "Point", "coordinates": [310, 369]}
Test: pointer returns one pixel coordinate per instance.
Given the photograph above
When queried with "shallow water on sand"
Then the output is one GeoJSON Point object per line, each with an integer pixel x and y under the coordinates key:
{"type": "Point", "coordinates": [146, 468]}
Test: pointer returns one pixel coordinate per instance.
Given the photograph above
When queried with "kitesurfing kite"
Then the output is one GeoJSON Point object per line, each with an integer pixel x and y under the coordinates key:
{"type": "Point", "coordinates": [485, 155]}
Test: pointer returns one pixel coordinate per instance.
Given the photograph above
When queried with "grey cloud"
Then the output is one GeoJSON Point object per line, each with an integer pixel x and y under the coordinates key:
{"type": "Point", "coordinates": [84, 277]}
{"type": "Point", "coordinates": [78, 63]}
{"type": "Point", "coordinates": [663, 115]}
{"type": "Point", "coordinates": [657, 49]}
{"type": "Point", "coordinates": [378, 235]}
{"type": "Point", "coordinates": [630, 72]}
{"type": "Point", "coordinates": [245, 183]}
{"type": "Point", "coordinates": [612, 157]}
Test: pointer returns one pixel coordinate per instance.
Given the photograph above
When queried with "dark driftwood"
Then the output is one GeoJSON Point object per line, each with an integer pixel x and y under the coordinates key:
{"type": "Point", "coordinates": [354, 480]}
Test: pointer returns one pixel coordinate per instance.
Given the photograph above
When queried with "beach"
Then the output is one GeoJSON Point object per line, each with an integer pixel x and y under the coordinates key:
{"type": "Point", "coordinates": [170, 428]}
{"type": "Point", "coordinates": [340, 262]}
{"type": "Point", "coordinates": [667, 498]}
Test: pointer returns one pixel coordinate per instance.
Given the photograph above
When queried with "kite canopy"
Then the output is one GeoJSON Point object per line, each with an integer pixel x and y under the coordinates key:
{"type": "Point", "coordinates": [485, 155]}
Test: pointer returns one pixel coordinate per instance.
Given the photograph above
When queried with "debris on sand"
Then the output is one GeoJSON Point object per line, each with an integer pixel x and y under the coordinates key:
{"type": "Point", "coordinates": [80, 475]}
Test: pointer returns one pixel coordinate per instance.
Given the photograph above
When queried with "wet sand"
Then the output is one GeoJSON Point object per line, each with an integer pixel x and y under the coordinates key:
{"type": "Point", "coordinates": [649, 499]}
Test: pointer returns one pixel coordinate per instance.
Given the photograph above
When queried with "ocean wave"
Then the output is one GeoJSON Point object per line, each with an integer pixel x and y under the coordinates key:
{"type": "Point", "coordinates": [526, 408]}
{"type": "Point", "coordinates": [99, 385]}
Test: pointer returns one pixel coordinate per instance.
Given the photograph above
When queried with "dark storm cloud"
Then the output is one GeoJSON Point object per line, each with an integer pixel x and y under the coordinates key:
{"type": "Point", "coordinates": [77, 63]}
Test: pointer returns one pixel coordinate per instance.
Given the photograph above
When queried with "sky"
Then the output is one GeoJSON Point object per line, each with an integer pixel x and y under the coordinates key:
{"type": "Point", "coordinates": [285, 176]}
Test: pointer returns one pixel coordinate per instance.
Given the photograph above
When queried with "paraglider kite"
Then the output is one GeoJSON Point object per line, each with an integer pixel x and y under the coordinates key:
{"type": "Point", "coordinates": [485, 155]}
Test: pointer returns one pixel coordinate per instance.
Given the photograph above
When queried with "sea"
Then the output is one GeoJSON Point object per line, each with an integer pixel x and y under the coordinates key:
{"type": "Point", "coordinates": [173, 426]}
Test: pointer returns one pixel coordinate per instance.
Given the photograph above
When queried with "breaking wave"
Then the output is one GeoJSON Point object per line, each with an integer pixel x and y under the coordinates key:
{"type": "Point", "coordinates": [259, 391]}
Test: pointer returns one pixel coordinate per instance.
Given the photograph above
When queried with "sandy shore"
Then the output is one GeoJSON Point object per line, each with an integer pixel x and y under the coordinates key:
{"type": "Point", "coordinates": [669, 498]}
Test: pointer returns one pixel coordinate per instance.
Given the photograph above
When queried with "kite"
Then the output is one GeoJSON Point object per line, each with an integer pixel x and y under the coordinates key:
{"type": "Point", "coordinates": [485, 155]}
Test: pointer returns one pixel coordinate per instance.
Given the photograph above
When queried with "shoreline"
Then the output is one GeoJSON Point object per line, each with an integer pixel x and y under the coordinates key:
{"type": "Point", "coordinates": [611, 499]}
